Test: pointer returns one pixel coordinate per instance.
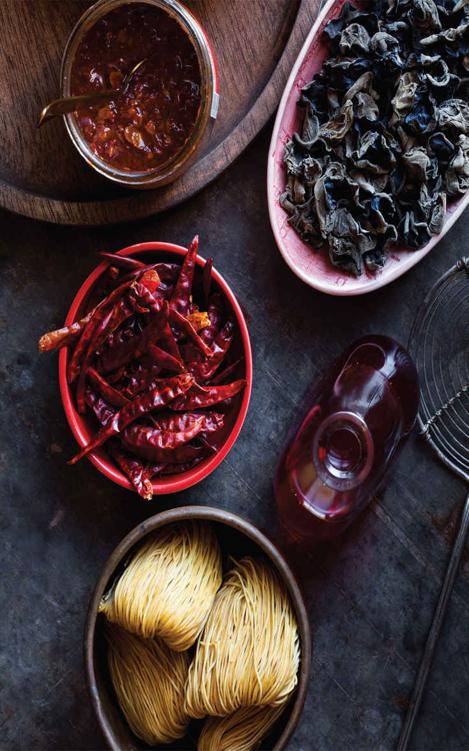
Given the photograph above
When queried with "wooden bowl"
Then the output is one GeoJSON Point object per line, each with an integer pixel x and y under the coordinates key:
{"type": "Point", "coordinates": [237, 537]}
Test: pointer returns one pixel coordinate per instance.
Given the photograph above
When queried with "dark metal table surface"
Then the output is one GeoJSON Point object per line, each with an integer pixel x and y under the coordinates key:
{"type": "Point", "coordinates": [370, 596]}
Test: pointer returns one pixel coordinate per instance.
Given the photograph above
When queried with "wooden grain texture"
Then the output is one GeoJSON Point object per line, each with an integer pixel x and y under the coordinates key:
{"type": "Point", "coordinates": [41, 174]}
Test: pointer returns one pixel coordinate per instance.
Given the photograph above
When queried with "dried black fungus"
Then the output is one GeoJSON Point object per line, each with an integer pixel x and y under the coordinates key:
{"type": "Point", "coordinates": [385, 135]}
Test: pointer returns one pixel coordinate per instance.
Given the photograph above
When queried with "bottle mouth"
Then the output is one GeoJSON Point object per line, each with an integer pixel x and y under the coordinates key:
{"type": "Point", "coordinates": [343, 450]}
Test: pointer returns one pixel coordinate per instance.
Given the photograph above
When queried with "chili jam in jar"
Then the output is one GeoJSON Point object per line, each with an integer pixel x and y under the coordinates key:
{"type": "Point", "coordinates": [145, 133]}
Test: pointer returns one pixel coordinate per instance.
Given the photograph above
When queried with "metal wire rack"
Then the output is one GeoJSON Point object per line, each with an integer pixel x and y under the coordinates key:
{"type": "Point", "coordinates": [439, 344]}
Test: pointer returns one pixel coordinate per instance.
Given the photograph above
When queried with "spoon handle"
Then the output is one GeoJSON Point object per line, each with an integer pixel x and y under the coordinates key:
{"type": "Point", "coordinates": [70, 103]}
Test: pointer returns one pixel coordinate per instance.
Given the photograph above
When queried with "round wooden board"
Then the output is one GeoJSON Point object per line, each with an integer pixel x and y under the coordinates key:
{"type": "Point", "coordinates": [256, 43]}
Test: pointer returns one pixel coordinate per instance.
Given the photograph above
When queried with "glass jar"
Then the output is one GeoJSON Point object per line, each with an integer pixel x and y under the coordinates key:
{"type": "Point", "coordinates": [178, 164]}
{"type": "Point", "coordinates": [357, 419]}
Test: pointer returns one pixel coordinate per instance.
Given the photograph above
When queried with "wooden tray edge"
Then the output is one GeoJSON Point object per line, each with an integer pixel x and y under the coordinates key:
{"type": "Point", "coordinates": [142, 204]}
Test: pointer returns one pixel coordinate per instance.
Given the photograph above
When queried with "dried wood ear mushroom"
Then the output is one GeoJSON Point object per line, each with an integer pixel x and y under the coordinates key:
{"type": "Point", "coordinates": [385, 137]}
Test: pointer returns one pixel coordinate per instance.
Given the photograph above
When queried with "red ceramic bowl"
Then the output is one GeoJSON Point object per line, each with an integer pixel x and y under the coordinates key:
{"type": "Point", "coordinates": [83, 427]}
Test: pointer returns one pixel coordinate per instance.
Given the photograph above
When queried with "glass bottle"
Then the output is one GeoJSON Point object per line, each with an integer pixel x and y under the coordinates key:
{"type": "Point", "coordinates": [358, 417]}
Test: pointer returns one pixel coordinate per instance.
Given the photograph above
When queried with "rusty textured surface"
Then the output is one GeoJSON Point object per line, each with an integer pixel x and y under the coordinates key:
{"type": "Point", "coordinates": [370, 595]}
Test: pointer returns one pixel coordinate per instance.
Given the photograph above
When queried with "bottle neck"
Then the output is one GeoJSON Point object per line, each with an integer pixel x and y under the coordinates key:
{"type": "Point", "coordinates": [343, 450]}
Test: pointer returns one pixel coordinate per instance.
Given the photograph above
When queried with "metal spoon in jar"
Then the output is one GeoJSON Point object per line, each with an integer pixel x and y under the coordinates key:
{"type": "Point", "coordinates": [70, 103]}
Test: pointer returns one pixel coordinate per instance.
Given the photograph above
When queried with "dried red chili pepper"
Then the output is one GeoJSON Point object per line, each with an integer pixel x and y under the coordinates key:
{"type": "Point", "coordinates": [178, 455]}
{"type": "Point", "coordinates": [166, 391]}
{"type": "Point", "coordinates": [180, 299]}
{"type": "Point", "coordinates": [174, 469]}
{"type": "Point", "coordinates": [164, 360]}
{"type": "Point", "coordinates": [105, 325]}
{"type": "Point", "coordinates": [191, 355]}
{"type": "Point", "coordinates": [214, 312]}
{"type": "Point", "coordinates": [108, 392]}
{"type": "Point", "coordinates": [137, 473]}
{"type": "Point", "coordinates": [226, 373]}
{"type": "Point", "coordinates": [204, 441]}
{"type": "Point", "coordinates": [198, 319]}
{"type": "Point", "coordinates": [165, 290]}
{"type": "Point", "coordinates": [166, 336]}
{"type": "Point", "coordinates": [116, 339]}
{"type": "Point", "coordinates": [136, 273]}
{"type": "Point", "coordinates": [115, 295]}
{"type": "Point", "coordinates": [205, 370]}
{"type": "Point", "coordinates": [150, 280]}
{"type": "Point", "coordinates": [64, 336]}
{"type": "Point", "coordinates": [144, 296]}
{"type": "Point", "coordinates": [121, 312]}
{"type": "Point", "coordinates": [212, 421]}
{"type": "Point", "coordinates": [101, 311]}
{"type": "Point", "coordinates": [142, 380]}
{"type": "Point", "coordinates": [199, 397]}
{"type": "Point", "coordinates": [122, 262]}
{"type": "Point", "coordinates": [116, 376]}
{"type": "Point", "coordinates": [186, 329]}
{"type": "Point", "coordinates": [78, 354]}
{"type": "Point", "coordinates": [101, 326]}
{"type": "Point", "coordinates": [153, 443]}
{"type": "Point", "coordinates": [168, 272]}
{"type": "Point", "coordinates": [101, 409]}
{"type": "Point", "coordinates": [122, 353]}
{"type": "Point", "coordinates": [99, 292]}
{"type": "Point", "coordinates": [155, 469]}
{"type": "Point", "coordinates": [207, 279]}
{"type": "Point", "coordinates": [118, 354]}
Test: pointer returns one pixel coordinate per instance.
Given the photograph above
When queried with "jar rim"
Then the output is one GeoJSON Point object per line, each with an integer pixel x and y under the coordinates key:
{"type": "Point", "coordinates": [208, 108]}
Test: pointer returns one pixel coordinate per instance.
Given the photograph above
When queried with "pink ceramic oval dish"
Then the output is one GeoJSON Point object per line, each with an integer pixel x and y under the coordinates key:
{"type": "Point", "coordinates": [312, 266]}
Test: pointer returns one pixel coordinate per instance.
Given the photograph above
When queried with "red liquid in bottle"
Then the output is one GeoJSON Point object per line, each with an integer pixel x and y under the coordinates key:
{"type": "Point", "coordinates": [358, 417]}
